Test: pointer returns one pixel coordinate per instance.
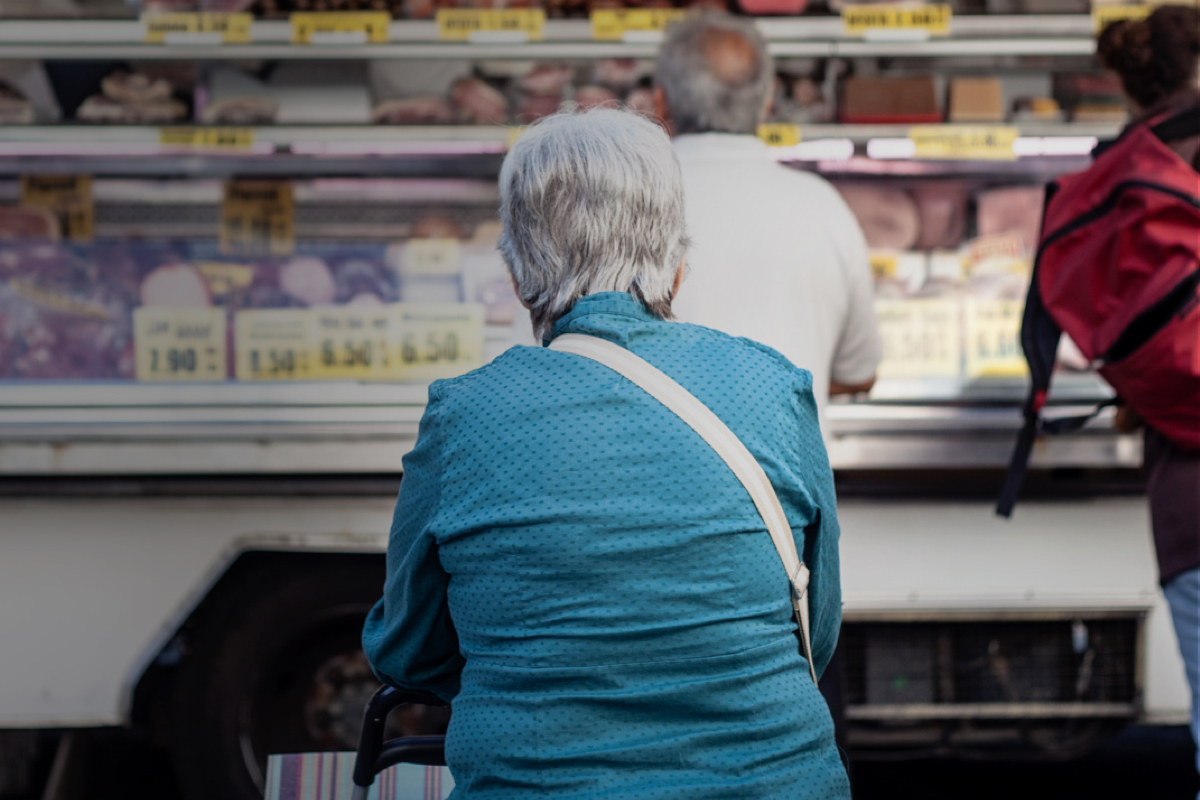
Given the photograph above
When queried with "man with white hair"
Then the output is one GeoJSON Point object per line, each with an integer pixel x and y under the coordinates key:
{"type": "Point", "coordinates": [776, 255]}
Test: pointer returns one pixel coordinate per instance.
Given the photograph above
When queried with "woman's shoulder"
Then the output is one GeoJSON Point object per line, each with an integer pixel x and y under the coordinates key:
{"type": "Point", "coordinates": [745, 354]}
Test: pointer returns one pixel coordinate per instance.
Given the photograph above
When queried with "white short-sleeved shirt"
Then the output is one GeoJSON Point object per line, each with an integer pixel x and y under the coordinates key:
{"type": "Point", "coordinates": [776, 257]}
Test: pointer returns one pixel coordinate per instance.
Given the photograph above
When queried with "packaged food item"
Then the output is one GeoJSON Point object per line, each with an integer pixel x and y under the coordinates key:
{"type": "Point", "coordinates": [132, 98]}
{"type": "Point", "coordinates": [942, 213]}
{"type": "Point", "coordinates": [884, 101]}
{"type": "Point", "coordinates": [15, 108]}
{"type": "Point", "coordinates": [976, 100]}
{"type": "Point", "coordinates": [414, 111]}
{"type": "Point", "coordinates": [478, 103]}
{"type": "Point", "coordinates": [888, 216]}
{"type": "Point", "coordinates": [773, 7]}
{"type": "Point", "coordinates": [1015, 209]}
{"type": "Point", "coordinates": [243, 110]}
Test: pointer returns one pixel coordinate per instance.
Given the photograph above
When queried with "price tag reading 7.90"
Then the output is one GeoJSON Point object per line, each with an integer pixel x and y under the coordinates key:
{"type": "Point", "coordinates": [179, 344]}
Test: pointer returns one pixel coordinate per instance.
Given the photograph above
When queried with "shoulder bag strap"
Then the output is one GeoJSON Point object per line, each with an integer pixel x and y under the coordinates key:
{"type": "Point", "coordinates": [726, 444]}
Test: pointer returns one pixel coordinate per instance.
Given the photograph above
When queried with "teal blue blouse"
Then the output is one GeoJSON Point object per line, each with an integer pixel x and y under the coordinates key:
{"type": "Point", "coordinates": [593, 589]}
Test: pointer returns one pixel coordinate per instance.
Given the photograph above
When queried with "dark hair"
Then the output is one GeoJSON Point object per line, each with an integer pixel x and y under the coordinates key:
{"type": "Point", "coordinates": [1155, 57]}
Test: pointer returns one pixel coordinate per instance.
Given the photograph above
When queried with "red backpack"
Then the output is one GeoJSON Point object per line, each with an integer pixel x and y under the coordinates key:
{"type": "Point", "coordinates": [1118, 268]}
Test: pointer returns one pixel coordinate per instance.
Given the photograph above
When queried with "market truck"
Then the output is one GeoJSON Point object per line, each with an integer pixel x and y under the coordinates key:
{"type": "Point", "coordinates": [216, 342]}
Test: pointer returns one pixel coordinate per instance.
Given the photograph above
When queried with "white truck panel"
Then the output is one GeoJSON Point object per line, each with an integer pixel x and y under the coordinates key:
{"type": "Point", "coordinates": [92, 588]}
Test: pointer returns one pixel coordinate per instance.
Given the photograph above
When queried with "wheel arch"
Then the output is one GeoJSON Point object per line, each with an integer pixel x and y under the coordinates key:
{"type": "Point", "coordinates": [148, 682]}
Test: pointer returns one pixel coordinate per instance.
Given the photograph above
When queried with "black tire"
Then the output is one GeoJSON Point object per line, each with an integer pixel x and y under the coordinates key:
{"type": "Point", "coordinates": [274, 666]}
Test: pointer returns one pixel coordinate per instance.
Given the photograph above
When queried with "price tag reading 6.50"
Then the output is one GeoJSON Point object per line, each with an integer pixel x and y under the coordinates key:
{"type": "Point", "coordinates": [993, 336]}
{"type": "Point", "coordinates": [179, 344]}
{"type": "Point", "coordinates": [439, 340]}
{"type": "Point", "coordinates": [356, 343]}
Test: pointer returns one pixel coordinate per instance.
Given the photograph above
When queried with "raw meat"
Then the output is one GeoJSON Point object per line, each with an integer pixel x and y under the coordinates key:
{"type": "Point", "coordinates": [15, 108]}
{"type": "Point", "coordinates": [249, 110]}
{"type": "Point", "coordinates": [1012, 209]}
{"type": "Point", "coordinates": [414, 111]}
{"type": "Point", "coordinates": [356, 278]}
{"type": "Point", "coordinates": [888, 216]}
{"type": "Point", "coordinates": [535, 106]}
{"type": "Point", "coordinates": [176, 286]}
{"type": "Point", "coordinates": [641, 101]}
{"type": "Point", "coordinates": [99, 108]}
{"type": "Point", "coordinates": [547, 79]}
{"type": "Point", "coordinates": [942, 208]}
{"type": "Point", "coordinates": [434, 226]}
{"type": "Point", "coordinates": [309, 280]}
{"type": "Point", "coordinates": [478, 103]}
{"type": "Point", "coordinates": [135, 87]}
{"type": "Point", "coordinates": [27, 223]}
{"type": "Point", "coordinates": [618, 74]}
{"type": "Point", "coordinates": [588, 97]}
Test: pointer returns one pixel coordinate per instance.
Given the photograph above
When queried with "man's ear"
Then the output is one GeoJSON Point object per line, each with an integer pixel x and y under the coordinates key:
{"type": "Point", "coordinates": [662, 111]}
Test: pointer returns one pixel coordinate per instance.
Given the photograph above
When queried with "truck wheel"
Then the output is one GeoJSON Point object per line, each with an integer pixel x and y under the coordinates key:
{"type": "Point", "coordinates": [275, 665]}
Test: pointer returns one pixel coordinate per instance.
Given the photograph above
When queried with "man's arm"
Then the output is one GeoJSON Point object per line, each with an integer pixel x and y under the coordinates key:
{"type": "Point", "coordinates": [859, 348]}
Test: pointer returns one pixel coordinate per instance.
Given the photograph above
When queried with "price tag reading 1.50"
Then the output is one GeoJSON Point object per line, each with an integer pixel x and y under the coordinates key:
{"type": "Point", "coordinates": [354, 343]}
{"type": "Point", "coordinates": [179, 344]}
{"type": "Point", "coordinates": [273, 344]}
{"type": "Point", "coordinates": [439, 340]}
{"type": "Point", "coordinates": [920, 338]}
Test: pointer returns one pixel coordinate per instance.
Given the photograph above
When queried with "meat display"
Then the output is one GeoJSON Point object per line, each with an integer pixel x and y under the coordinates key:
{"type": "Point", "coordinates": [27, 223]}
{"type": "Point", "coordinates": [549, 79]}
{"type": "Point", "coordinates": [308, 279]}
{"type": "Point", "coordinates": [535, 106]}
{"type": "Point", "coordinates": [248, 110]}
{"type": "Point", "coordinates": [1012, 209]}
{"type": "Point", "coordinates": [15, 108]}
{"type": "Point", "coordinates": [587, 97]}
{"type": "Point", "coordinates": [414, 111]}
{"type": "Point", "coordinates": [132, 99]}
{"type": "Point", "coordinates": [942, 210]}
{"type": "Point", "coordinates": [175, 286]}
{"type": "Point", "coordinates": [477, 103]}
{"type": "Point", "coordinates": [888, 216]}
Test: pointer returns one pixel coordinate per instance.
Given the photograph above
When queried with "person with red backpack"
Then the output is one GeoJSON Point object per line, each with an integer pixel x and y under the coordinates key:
{"type": "Point", "coordinates": [1118, 269]}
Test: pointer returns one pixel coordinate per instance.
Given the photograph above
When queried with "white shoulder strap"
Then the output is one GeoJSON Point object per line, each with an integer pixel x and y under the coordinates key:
{"type": "Point", "coordinates": [726, 444]}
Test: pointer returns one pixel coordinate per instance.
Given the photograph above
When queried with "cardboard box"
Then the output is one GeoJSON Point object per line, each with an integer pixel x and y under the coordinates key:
{"type": "Point", "coordinates": [883, 101]}
{"type": "Point", "coordinates": [976, 100]}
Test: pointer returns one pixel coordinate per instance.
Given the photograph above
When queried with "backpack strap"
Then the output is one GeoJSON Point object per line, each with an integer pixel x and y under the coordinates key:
{"type": "Point", "coordinates": [1039, 342]}
{"type": "Point", "coordinates": [1182, 125]}
{"type": "Point", "coordinates": [725, 442]}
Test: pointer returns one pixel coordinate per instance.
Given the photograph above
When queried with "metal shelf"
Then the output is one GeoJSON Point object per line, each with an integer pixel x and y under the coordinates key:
{"type": "Point", "coordinates": [455, 150]}
{"type": "Point", "coordinates": [986, 35]}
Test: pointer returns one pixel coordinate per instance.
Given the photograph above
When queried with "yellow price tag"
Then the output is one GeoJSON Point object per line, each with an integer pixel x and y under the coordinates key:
{"type": "Point", "coordinates": [207, 138]}
{"type": "Point", "coordinates": [439, 340]}
{"type": "Point", "coordinates": [68, 197]}
{"type": "Point", "coordinates": [980, 143]}
{"type": "Point", "coordinates": [864, 20]}
{"type": "Point", "coordinates": [616, 24]}
{"type": "Point", "coordinates": [468, 24]}
{"type": "Point", "coordinates": [920, 338]}
{"type": "Point", "coordinates": [993, 338]}
{"type": "Point", "coordinates": [354, 343]}
{"type": "Point", "coordinates": [437, 258]}
{"type": "Point", "coordinates": [257, 218]}
{"type": "Point", "coordinates": [779, 134]}
{"type": "Point", "coordinates": [514, 134]}
{"type": "Point", "coordinates": [341, 27]}
{"type": "Point", "coordinates": [203, 28]}
{"type": "Point", "coordinates": [883, 265]}
{"type": "Point", "coordinates": [179, 344]}
{"type": "Point", "coordinates": [224, 278]}
{"type": "Point", "coordinates": [273, 344]}
{"type": "Point", "coordinates": [1103, 16]}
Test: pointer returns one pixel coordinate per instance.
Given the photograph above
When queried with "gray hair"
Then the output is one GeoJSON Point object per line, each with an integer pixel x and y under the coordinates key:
{"type": "Point", "coordinates": [592, 202]}
{"type": "Point", "coordinates": [708, 89]}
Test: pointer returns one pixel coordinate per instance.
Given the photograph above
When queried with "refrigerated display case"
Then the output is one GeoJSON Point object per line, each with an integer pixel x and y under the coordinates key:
{"type": "Point", "coordinates": [215, 342]}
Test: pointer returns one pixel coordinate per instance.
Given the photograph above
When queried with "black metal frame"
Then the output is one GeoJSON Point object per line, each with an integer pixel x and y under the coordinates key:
{"type": "Point", "coordinates": [376, 755]}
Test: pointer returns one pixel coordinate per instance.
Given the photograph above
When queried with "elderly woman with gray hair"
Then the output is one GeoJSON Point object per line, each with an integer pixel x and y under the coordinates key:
{"type": "Point", "coordinates": [572, 564]}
